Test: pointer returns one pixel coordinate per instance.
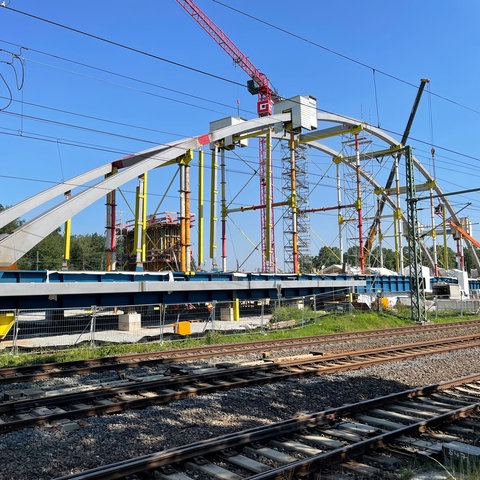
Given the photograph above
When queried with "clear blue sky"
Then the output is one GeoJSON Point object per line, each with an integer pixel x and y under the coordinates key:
{"type": "Point", "coordinates": [389, 45]}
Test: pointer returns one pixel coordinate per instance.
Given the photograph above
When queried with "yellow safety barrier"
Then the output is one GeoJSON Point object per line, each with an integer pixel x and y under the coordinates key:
{"type": "Point", "coordinates": [6, 323]}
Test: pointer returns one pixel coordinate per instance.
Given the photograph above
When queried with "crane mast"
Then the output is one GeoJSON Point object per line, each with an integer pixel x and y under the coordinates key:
{"type": "Point", "coordinates": [258, 85]}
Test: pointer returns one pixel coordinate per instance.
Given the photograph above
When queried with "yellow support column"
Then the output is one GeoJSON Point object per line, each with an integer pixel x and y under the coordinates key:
{"type": "Point", "coordinates": [293, 203]}
{"type": "Point", "coordinates": [140, 222]}
{"type": "Point", "coordinates": [200, 219]}
{"type": "Point", "coordinates": [236, 309]}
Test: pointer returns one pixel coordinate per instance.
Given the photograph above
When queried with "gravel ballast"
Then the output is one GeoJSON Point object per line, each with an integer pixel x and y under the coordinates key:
{"type": "Point", "coordinates": [46, 453]}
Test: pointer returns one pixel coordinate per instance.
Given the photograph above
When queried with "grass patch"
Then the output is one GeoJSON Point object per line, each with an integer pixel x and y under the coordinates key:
{"type": "Point", "coordinates": [306, 326]}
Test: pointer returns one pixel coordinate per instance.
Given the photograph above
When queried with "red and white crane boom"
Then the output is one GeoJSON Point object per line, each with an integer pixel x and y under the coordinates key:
{"type": "Point", "coordinates": [259, 85]}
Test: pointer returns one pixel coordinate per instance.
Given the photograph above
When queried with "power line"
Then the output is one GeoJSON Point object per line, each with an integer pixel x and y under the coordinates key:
{"type": "Point", "coordinates": [123, 46]}
{"type": "Point", "coordinates": [338, 54]}
{"type": "Point", "coordinates": [120, 75]}
{"type": "Point", "coordinates": [223, 78]}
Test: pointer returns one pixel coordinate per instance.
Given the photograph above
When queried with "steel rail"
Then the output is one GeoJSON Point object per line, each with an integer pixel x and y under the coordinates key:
{"type": "Point", "coordinates": [84, 367]}
{"type": "Point", "coordinates": [140, 394]}
{"type": "Point", "coordinates": [315, 422]}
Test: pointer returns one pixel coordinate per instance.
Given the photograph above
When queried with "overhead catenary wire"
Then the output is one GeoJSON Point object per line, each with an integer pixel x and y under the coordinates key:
{"type": "Point", "coordinates": [160, 58]}
{"type": "Point", "coordinates": [123, 46]}
{"type": "Point", "coordinates": [178, 64]}
{"type": "Point", "coordinates": [338, 54]}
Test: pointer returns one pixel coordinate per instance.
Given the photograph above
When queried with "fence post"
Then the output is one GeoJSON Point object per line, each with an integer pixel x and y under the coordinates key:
{"type": "Point", "coordinates": [303, 311]}
{"type": "Point", "coordinates": [162, 321]}
{"type": "Point", "coordinates": [262, 313]}
{"type": "Point", "coordinates": [15, 332]}
{"type": "Point", "coordinates": [214, 307]}
{"type": "Point", "coordinates": [93, 325]}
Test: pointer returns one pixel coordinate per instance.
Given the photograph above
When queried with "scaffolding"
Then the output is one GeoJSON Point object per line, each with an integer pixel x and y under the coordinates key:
{"type": "Point", "coordinates": [163, 243]}
{"type": "Point", "coordinates": [302, 203]}
{"type": "Point", "coordinates": [357, 198]}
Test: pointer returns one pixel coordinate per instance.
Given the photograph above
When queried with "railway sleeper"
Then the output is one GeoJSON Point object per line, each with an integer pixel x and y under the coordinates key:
{"type": "Point", "coordinates": [394, 415]}
{"type": "Point", "coordinates": [362, 469]}
{"type": "Point", "coordinates": [412, 411]}
{"type": "Point", "coordinates": [45, 411]}
{"type": "Point", "coordinates": [359, 428]}
{"type": "Point", "coordinates": [380, 422]}
{"type": "Point", "coordinates": [343, 434]}
{"type": "Point", "coordinates": [212, 470]}
{"type": "Point", "coordinates": [245, 462]}
{"type": "Point", "coordinates": [388, 462]}
{"type": "Point", "coordinates": [415, 445]}
{"type": "Point", "coordinates": [270, 454]}
{"type": "Point", "coordinates": [296, 447]}
{"type": "Point", "coordinates": [321, 441]}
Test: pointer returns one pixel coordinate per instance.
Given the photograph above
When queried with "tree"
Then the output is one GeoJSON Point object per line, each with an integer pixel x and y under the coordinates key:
{"type": "Point", "coordinates": [46, 255]}
{"type": "Point", "coordinates": [9, 228]}
{"type": "Point", "coordinates": [306, 264]}
{"type": "Point", "coordinates": [469, 263]}
{"type": "Point", "coordinates": [451, 256]}
{"type": "Point", "coordinates": [389, 258]}
{"type": "Point", "coordinates": [87, 252]}
{"type": "Point", "coordinates": [326, 256]}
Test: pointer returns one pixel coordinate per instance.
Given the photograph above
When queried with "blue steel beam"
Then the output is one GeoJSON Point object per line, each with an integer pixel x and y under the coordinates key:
{"type": "Point", "coordinates": [45, 289]}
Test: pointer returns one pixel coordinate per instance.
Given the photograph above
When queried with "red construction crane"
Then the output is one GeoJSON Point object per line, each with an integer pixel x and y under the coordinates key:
{"type": "Point", "coordinates": [259, 85]}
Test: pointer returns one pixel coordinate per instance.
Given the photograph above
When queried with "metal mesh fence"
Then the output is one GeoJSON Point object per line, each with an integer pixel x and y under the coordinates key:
{"type": "Point", "coordinates": [48, 329]}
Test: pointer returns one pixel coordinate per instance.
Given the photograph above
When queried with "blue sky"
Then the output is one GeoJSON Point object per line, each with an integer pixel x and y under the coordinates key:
{"type": "Point", "coordinates": [129, 102]}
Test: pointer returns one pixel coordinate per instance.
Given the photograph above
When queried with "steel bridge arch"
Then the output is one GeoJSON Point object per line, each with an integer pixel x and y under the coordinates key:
{"type": "Point", "coordinates": [24, 238]}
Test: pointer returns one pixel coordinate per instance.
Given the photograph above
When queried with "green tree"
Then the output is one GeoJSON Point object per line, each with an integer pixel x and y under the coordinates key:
{"type": "Point", "coordinates": [10, 227]}
{"type": "Point", "coordinates": [46, 255]}
{"type": "Point", "coordinates": [87, 252]}
{"type": "Point", "coordinates": [389, 260]}
{"type": "Point", "coordinates": [451, 256]}
{"type": "Point", "coordinates": [352, 255]}
{"type": "Point", "coordinates": [306, 264]}
{"type": "Point", "coordinates": [469, 263]}
{"type": "Point", "coordinates": [326, 256]}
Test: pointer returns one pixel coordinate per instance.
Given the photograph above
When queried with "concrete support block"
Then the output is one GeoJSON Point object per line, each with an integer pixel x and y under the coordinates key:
{"type": "Point", "coordinates": [226, 313]}
{"type": "Point", "coordinates": [129, 322]}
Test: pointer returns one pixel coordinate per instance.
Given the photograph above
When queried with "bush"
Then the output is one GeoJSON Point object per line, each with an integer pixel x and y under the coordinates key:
{"type": "Point", "coordinates": [289, 312]}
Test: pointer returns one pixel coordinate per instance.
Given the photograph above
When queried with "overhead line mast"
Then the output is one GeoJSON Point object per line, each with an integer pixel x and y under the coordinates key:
{"type": "Point", "coordinates": [259, 84]}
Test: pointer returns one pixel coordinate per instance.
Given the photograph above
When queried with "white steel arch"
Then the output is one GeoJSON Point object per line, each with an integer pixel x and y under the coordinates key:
{"type": "Point", "coordinates": [17, 244]}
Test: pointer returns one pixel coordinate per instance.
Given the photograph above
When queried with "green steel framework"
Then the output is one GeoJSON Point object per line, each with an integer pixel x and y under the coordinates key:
{"type": "Point", "coordinates": [417, 286]}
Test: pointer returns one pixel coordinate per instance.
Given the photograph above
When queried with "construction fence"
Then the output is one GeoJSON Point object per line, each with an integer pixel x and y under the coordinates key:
{"type": "Point", "coordinates": [53, 329]}
{"type": "Point", "coordinates": [49, 329]}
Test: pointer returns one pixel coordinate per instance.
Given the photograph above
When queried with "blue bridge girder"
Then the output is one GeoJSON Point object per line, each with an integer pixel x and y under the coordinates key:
{"type": "Point", "coordinates": [22, 289]}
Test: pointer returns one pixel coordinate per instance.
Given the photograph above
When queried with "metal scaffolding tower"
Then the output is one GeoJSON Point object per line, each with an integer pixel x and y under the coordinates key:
{"type": "Point", "coordinates": [302, 200]}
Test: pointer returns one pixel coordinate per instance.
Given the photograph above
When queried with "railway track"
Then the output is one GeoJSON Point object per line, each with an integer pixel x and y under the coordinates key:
{"type": "Point", "coordinates": [365, 438]}
{"type": "Point", "coordinates": [122, 362]}
{"type": "Point", "coordinates": [27, 408]}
